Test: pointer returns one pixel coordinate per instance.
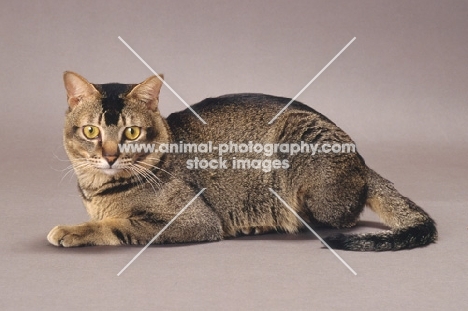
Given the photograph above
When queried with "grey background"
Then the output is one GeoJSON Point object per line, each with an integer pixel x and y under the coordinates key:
{"type": "Point", "coordinates": [400, 90]}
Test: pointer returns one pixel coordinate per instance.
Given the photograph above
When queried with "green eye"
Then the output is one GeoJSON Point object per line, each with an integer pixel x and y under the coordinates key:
{"type": "Point", "coordinates": [90, 131]}
{"type": "Point", "coordinates": [132, 133]}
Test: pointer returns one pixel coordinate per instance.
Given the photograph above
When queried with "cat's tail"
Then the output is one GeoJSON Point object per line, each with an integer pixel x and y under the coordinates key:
{"type": "Point", "coordinates": [409, 225]}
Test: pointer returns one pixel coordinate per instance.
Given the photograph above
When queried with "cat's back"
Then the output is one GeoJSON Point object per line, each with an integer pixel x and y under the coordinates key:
{"type": "Point", "coordinates": [244, 115]}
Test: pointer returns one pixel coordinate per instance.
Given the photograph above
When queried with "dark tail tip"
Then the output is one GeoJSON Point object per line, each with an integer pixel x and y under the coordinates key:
{"type": "Point", "coordinates": [389, 240]}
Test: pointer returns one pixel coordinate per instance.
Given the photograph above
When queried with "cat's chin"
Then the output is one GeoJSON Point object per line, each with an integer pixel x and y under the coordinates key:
{"type": "Point", "coordinates": [111, 171]}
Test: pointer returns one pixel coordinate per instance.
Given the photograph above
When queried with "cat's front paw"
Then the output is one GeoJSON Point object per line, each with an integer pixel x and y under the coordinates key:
{"type": "Point", "coordinates": [70, 236]}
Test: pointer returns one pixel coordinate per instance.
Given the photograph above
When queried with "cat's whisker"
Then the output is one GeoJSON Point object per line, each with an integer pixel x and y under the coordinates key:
{"type": "Point", "coordinates": [65, 175]}
{"type": "Point", "coordinates": [151, 175]}
{"type": "Point", "coordinates": [148, 178]}
{"type": "Point", "coordinates": [71, 168]}
{"type": "Point", "coordinates": [156, 167]}
{"type": "Point", "coordinates": [66, 168]}
{"type": "Point", "coordinates": [63, 169]}
{"type": "Point", "coordinates": [148, 174]}
{"type": "Point", "coordinates": [61, 160]}
{"type": "Point", "coordinates": [134, 173]}
{"type": "Point", "coordinates": [153, 158]}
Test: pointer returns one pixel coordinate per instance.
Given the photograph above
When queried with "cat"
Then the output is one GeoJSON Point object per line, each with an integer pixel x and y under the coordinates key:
{"type": "Point", "coordinates": [131, 196]}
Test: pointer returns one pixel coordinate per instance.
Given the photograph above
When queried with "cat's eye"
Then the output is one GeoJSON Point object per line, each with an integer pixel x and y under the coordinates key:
{"type": "Point", "coordinates": [90, 131]}
{"type": "Point", "coordinates": [132, 133]}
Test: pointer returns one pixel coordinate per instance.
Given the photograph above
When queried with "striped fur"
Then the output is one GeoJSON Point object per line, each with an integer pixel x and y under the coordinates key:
{"type": "Point", "coordinates": [130, 197]}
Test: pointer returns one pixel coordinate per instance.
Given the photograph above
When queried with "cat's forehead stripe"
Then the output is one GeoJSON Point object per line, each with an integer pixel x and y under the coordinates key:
{"type": "Point", "coordinates": [112, 101]}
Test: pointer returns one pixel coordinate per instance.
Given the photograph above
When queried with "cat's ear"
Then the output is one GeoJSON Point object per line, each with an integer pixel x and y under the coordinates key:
{"type": "Point", "coordinates": [148, 91]}
{"type": "Point", "coordinates": [78, 88]}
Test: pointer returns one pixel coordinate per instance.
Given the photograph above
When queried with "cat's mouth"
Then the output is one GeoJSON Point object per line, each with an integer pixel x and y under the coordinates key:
{"type": "Point", "coordinates": [109, 169]}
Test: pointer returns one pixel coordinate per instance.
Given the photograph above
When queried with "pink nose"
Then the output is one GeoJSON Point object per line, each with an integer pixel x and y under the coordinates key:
{"type": "Point", "coordinates": [110, 159]}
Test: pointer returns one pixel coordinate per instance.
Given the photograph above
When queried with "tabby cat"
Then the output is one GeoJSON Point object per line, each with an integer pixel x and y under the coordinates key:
{"type": "Point", "coordinates": [131, 195]}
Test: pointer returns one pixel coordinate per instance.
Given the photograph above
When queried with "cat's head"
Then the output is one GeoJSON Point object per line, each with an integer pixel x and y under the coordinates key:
{"type": "Point", "coordinates": [102, 116]}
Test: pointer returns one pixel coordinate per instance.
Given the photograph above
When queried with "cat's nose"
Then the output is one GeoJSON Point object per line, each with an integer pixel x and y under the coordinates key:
{"type": "Point", "coordinates": [110, 159]}
{"type": "Point", "coordinates": [110, 152]}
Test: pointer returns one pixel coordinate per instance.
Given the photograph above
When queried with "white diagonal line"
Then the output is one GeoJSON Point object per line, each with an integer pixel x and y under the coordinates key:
{"type": "Point", "coordinates": [160, 232]}
{"type": "Point", "coordinates": [164, 82]}
{"type": "Point", "coordinates": [311, 230]}
{"type": "Point", "coordinates": [310, 82]}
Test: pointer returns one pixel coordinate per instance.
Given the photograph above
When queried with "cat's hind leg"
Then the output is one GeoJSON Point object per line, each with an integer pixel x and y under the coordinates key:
{"type": "Point", "coordinates": [336, 196]}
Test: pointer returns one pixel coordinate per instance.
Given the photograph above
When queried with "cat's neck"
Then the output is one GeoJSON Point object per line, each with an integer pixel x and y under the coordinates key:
{"type": "Point", "coordinates": [92, 185]}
